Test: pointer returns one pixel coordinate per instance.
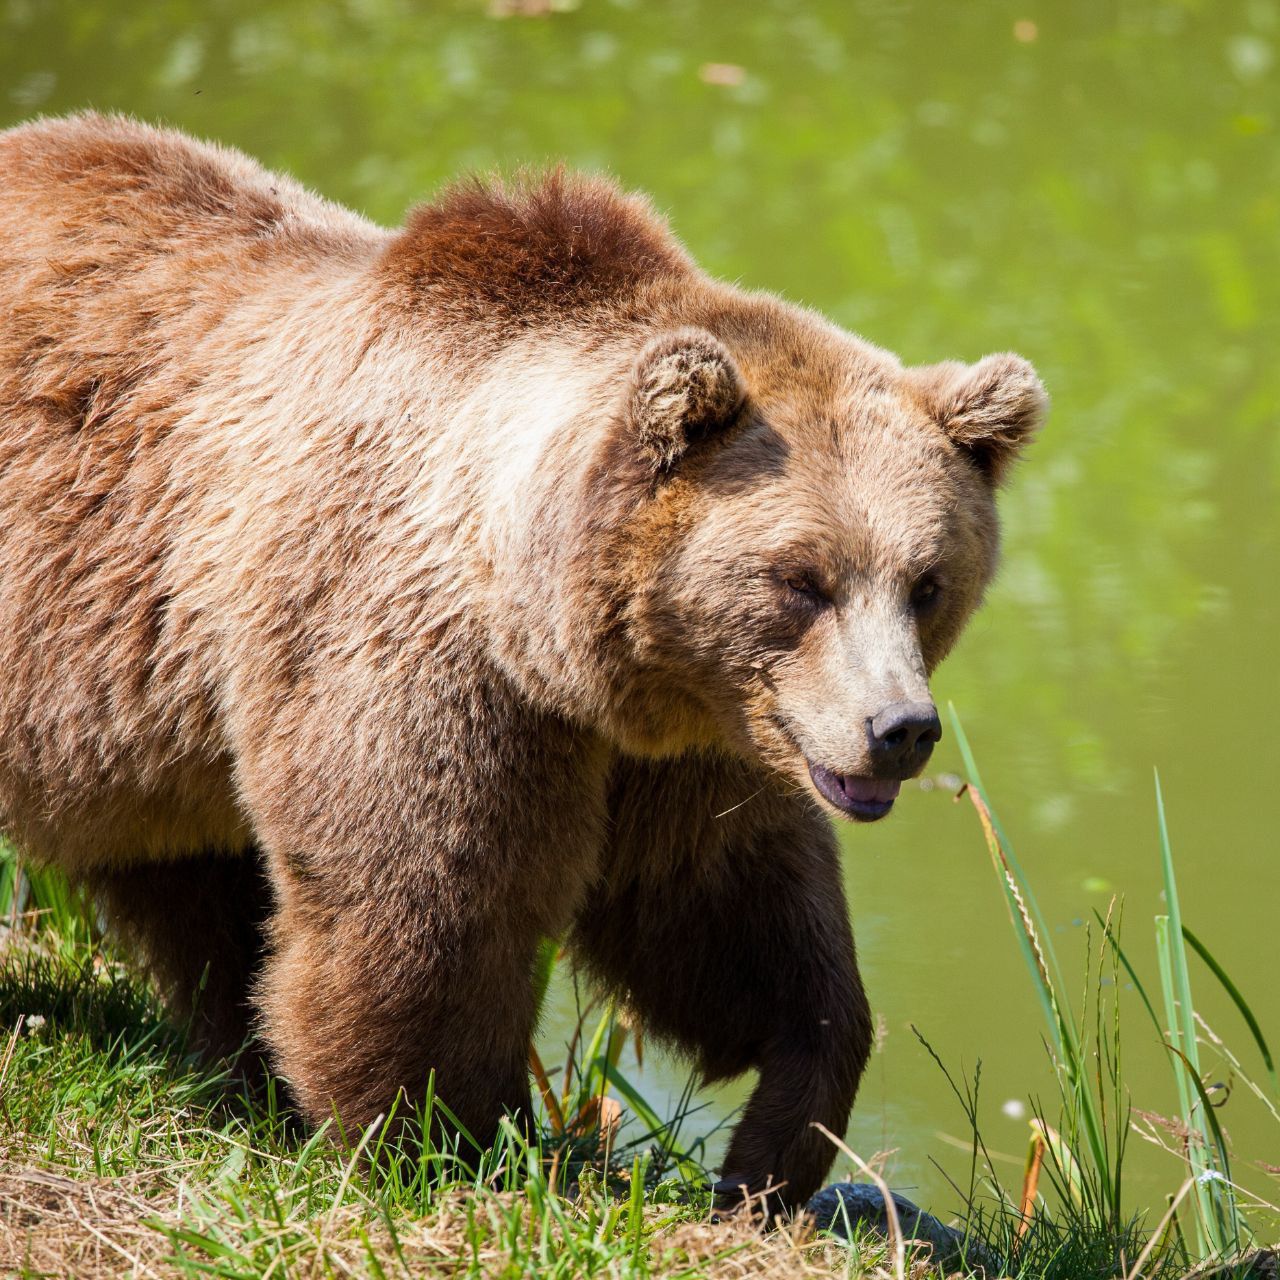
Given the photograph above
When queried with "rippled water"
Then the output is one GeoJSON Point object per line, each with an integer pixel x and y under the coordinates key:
{"type": "Point", "coordinates": [1096, 185]}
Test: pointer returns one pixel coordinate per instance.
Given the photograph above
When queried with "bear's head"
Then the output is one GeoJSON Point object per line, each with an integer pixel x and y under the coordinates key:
{"type": "Point", "coordinates": [804, 526]}
{"type": "Point", "coordinates": [715, 521]}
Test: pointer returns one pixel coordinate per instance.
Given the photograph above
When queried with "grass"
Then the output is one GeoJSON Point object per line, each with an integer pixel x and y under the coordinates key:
{"type": "Point", "coordinates": [121, 1154]}
{"type": "Point", "coordinates": [1084, 1153]}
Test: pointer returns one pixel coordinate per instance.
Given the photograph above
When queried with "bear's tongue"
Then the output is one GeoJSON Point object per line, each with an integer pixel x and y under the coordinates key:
{"type": "Point", "coordinates": [865, 798]}
{"type": "Point", "coordinates": [870, 790]}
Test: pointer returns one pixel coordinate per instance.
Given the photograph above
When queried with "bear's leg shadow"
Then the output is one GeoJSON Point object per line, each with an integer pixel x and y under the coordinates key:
{"type": "Point", "coordinates": [721, 917]}
{"type": "Point", "coordinates": [199, 925]}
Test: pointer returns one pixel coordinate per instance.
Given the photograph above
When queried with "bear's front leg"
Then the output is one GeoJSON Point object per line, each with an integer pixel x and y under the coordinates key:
{"type": "Point", "coordinates": [362, 1002]}
{"type": "Point", "coordinates": [417, 860]}
{"type": "Point", "coordinates": [720, 914]}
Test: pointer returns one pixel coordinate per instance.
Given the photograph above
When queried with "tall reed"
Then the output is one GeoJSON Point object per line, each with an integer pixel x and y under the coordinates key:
{"type": "Point", "coordinates": [1087, 1152]}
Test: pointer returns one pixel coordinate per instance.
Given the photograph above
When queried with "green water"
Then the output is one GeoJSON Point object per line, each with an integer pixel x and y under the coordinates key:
{"type": "Point", "coordinates": [1096, 185]}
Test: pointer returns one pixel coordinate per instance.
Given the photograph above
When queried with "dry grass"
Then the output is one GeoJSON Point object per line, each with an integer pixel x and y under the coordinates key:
{"type": "Point", "coordinates": [53, 1224]}
{"type": "Point", "coordinates": [121, 1156]}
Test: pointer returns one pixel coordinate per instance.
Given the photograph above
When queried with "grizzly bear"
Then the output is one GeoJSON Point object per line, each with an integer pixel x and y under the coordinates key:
{"type": "Point", "coordinates": [376, 604]}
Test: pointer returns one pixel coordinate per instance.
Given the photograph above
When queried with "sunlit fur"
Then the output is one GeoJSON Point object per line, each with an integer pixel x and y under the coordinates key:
{"type": "Point", "coordinates": [437, 573]}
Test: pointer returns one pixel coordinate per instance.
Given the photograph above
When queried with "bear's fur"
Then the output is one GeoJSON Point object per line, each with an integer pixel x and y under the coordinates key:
{"type": "Point", "coordinates": [376, 604]}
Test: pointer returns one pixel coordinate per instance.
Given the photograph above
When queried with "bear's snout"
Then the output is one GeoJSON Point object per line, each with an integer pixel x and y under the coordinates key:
{"type": "Point", "coordinates": [902, 736]}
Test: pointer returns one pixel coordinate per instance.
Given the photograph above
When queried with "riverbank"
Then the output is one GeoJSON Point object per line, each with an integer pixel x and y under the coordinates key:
{"type": "Point", "coordinates": [119, 1155]}
{"type": "Point", "coordinates": [122, 1154]}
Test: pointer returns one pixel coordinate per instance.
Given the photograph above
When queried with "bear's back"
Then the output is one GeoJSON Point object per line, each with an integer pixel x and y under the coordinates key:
{"type": "Point", "coordinates": [134, 189]}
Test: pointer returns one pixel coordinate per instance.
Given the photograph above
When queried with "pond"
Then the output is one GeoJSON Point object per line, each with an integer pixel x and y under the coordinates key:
{"type": "Point", "coordinates": [1095, 185]}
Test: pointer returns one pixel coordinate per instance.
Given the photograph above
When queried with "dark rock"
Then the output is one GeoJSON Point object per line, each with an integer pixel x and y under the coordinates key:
{"type": "Point", "coordinates": [1265, 1265]}
{"type": "Point", "coordinates": [845, 1207]}
{"type": "Point", "coordinates": [1262, 1264]}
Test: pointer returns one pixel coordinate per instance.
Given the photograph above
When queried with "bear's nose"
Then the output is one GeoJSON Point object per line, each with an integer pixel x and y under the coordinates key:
{"type": "Point", "coordinates": [904, 733]}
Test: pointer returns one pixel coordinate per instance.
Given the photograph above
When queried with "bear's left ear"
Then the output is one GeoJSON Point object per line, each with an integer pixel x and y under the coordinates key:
{"type": "Point", "coordinates": [990, 409]}
{"type": "Point", "coordinates": [685, 387]}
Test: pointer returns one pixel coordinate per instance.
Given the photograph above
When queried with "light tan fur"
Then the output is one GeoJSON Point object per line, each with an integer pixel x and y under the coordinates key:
{"type": "Point", "coordinates": [446, 579]}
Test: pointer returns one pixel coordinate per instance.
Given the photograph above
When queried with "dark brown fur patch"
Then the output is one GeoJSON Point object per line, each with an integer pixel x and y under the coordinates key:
{"type": "Point", "coordinates": [536, 246]}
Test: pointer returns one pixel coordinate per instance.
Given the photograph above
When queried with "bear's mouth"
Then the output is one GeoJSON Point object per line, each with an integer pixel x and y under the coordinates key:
{"type": "Point", "coordinates": [866, 799]}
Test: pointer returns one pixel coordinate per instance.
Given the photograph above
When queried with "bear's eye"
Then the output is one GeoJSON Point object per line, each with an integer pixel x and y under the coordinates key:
{"type": "Point", "coordinates": [803, 587]}
{"type": "Point", "coordinates": [926, 594]}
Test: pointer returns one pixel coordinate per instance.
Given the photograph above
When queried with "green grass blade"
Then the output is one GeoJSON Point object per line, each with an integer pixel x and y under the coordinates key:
{"type": "Point", "coordinates": [591, 1082]}
{"type": "Point", "coordinates": [631, 1094]}
{"type": "Point", "coordinates": [1216, 1179]}
{"type": "Point", "coordinates": [1217, 1137]}
{"type": "Point", "coordinates": [1179, 1064]}
{"type": "Point", "coordinates": [1238, 1000]}
{"type": "Point", "coordinates": [1181, 978]}
{"type": "Point", "coordinates": [1005, 876]}
{"type": "Point", "coordinates": [543, 967]}
{"type": "Point", "coordinates": [635, 1209]}
{"type": "Point", "coordinates": [1041, 961]}
{"type": "Point", "coordinates": [1217, 1205]}
{"type": "Point", "coordinates": [975, 778]}
{"type": "Point", "coordinates": [1114, 942]}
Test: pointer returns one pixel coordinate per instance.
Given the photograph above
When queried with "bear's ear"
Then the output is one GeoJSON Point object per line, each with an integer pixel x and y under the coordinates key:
{"type": "Point", "coordinates": [685, 387]}
{"type": "Point", "coordinates": [990, 409]}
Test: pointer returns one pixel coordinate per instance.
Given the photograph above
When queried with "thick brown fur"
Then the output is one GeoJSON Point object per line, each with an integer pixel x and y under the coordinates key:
{"type": "Point", "coordinates": [380, 603]}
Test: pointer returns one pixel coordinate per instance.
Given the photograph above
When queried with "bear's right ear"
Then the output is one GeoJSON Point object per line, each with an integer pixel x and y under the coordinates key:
{"type": "Point", "coordinates": [991, 409]}
{"type": "Point", "coordinates": [685, 387]}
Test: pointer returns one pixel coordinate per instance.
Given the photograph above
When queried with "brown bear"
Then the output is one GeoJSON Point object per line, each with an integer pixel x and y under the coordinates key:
{"type": "Point", "coordinates": [375, 604]}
